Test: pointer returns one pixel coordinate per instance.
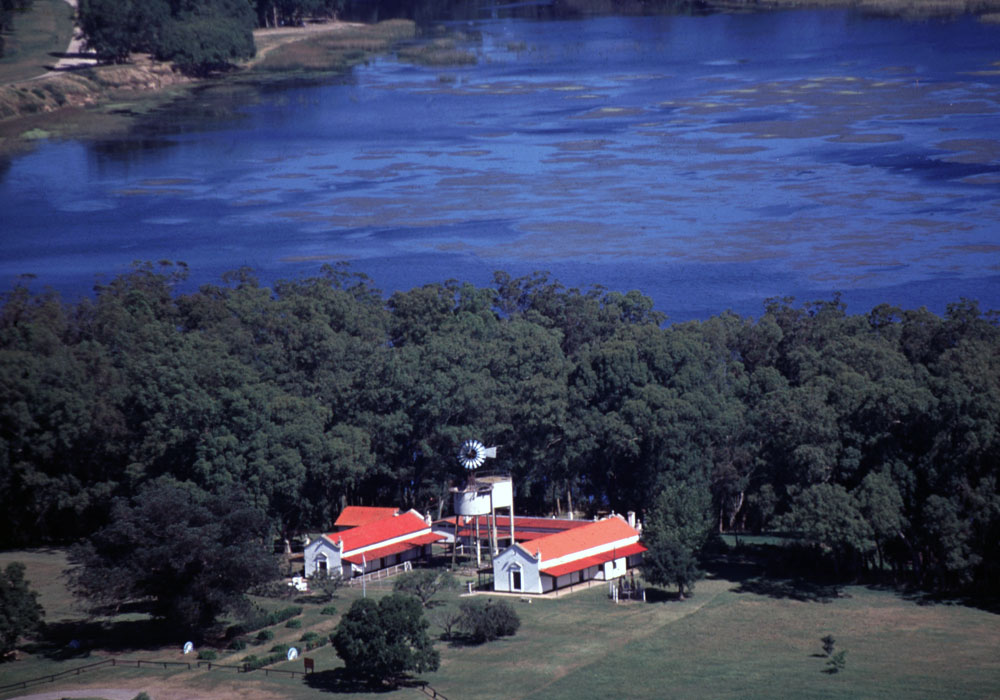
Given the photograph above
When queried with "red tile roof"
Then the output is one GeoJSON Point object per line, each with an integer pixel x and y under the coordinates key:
{"type": "Point", "coordinates": [593, 534]}
{"type": "Point", "coordinates": [379, 531]}
{"type": "Point", "coordinates": [525, 527]}
{"type": "Point", "coordinates": [586, 562]}
{"type": "Point", "coordinates": [381, 552]}
{"type": "Point", "coordinates": [355, 516]}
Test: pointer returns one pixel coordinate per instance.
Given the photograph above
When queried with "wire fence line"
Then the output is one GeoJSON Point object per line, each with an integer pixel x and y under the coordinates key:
{"type": "Point", "coordinates": [139, 663]}
{"type": "Point", "coordinates": [423, 686]}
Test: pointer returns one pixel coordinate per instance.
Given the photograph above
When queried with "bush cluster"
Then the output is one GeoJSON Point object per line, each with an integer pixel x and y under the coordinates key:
{"type": "Point", "coordinates": [486, 620]}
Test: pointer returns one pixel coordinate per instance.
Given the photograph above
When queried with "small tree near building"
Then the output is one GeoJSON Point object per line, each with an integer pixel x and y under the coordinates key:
{"type": "Point", "coordinates": [381, 641]}
{"type": "Point", "coordinates": [20, 613]}
{"type": "Point", "coordinates": [424, 584]}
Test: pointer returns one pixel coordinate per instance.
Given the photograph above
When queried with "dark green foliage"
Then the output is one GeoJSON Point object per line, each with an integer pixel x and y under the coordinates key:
{"type": "Point", "coordinates": [328, 610]}
{"type": "Point", "coordinates": [487, 620]}
{"type": "Point", "coordinates": [424, 584]}
{"type": "Point", "coordinates": [253, 662]}
{"type": "Point", "coordinates": [208, 39]}
{"type": "Point", "coordinates": [208, 655]}
{"type": "Point", "coordinates": [185, 555]}
{"type": "Point", "coordinates": [20, 613]}
{"type": "Point", "coordinates": [381, 641]}
{"type": "Point", "coordinates": [873, 436]}
{"type": "Point", "coordinates": [198, 36]}
{"type": "Point", "coordinates": [265, 636]}
{"type": "Point", "coordinates": [294, 624]}
{"type": "Point", "coordinates": [829, 643]}
{"type": "Point", "coordinates": [676, 528]}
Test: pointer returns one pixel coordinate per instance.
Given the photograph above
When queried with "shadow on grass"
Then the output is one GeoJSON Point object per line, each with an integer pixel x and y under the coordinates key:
{"type": "Point", "coordinates": [338, 680]}
{"type": "Point", "coordinates": [659, 595]}
{"type": "Point", "coordinates": [76, 639]}
{"type": "Point", "coordinates": [990, 604]}
{"type": "Point", "coordinates": [795, 589]}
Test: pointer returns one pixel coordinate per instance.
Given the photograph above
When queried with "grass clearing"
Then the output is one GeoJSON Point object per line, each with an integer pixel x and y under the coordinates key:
{"type": "Point", "coordinates": [721, 643]}
{"type": "Point", "coordinates": [44, 29]}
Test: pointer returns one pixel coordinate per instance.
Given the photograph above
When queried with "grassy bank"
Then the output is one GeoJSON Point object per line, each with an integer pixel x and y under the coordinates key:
{"type": "Point", "coordinates": [732, 639]}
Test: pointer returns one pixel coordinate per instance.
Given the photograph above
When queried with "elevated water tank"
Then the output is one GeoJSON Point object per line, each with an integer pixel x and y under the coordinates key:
{"type": "Point", "coordinates": [474, 498]}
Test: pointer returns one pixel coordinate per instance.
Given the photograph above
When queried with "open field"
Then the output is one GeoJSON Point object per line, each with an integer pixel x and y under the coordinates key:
{"type": "Point", "coordinates": [721, 643]}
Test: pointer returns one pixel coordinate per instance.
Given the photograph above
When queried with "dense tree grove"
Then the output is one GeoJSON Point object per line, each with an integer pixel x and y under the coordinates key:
{"type": "Point", "coordinates": [196, 35]}
{"type": "Point", "coordinates": [874, 436]}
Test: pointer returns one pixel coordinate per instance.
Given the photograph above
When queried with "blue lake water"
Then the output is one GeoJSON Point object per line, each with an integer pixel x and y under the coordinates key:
{"type": "Point", "coordinates": [710, 162]}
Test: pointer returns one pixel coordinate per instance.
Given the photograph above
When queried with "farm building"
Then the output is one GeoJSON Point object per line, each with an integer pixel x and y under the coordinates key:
{"type": "Point", "coordinates": [356, 516]}
{"type": "Point", "coordinates": [379, 544]}
{"type": "Point", "coordinates": [600, 550]}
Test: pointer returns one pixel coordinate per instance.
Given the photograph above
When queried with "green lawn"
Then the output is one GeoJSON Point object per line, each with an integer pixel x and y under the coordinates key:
{"type": "Point", "coordinates": [721, 643]}
{"type": "Point", "coordinates": [46, 28]}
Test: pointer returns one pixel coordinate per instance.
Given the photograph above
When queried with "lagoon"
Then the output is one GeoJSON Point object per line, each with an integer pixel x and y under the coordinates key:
{"type": "Point", "coordinates": [709, 161]}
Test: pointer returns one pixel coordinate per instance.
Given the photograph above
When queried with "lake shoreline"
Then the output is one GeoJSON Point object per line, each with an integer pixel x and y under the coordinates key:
{"type": "Point", "coordinates": [98, 101]}
{"type": "Point", "coordinates": [70, 103]}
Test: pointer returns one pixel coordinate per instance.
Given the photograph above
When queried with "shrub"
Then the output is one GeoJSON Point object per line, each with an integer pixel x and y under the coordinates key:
{"type": "Point", "coordinates": [265, 636]}
{"type": "Point", "coordinates": [329, 610]}
{"type": "Point", "coordinates": [279, 649]}
{"type": "Point", "coordinates": [294, 624]}
{"type": "Point", "coordinates": [238, 644]}
{"type": "Point", "coordinates": [837, 662]}
{"type": "Point", "coordinates": [208, 655]}
{"type": "Point", "coordinates": [141, 696]}
{"type": "Point", "coordinates": [484, 621]}
{"type": "Point", "coordinates": [309, 637]}
{"type": "Point", "coordinates": [252, 662]}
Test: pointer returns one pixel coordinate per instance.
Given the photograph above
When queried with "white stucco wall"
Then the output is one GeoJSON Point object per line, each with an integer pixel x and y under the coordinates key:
{"type": "Point", "coordinates": [514, 559]}
{"type": "Point", "coordinates": [318, 548]}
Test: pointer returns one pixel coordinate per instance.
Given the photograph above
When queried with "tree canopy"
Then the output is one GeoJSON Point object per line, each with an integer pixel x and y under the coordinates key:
{"type": "Point", "coordinates": [20, 613]}
{"type": "Point", "coordinates": [873, 436]}
{"type": "Point", "coordinates": [196, 35]}
{"type": "Point", "coordinates": [184, 555]}
{"type": "Point", "coordinates": [381, 641]}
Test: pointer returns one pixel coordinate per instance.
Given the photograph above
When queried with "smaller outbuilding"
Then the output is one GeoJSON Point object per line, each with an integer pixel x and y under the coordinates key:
{"type": "Point", "coordinates": [602, 550]}
{"type": "Point", "coordinates": [379, 544]}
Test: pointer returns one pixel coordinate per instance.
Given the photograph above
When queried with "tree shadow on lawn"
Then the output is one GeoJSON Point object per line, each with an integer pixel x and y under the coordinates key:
{"type": "Point", "coordinates": [338, 680]}
{"type": "Point", "coordinates": [986, 603]}
{"type": "Point", "coordinates": [799, 589]}
{"type": "Point", "coordinates": [77, 638]}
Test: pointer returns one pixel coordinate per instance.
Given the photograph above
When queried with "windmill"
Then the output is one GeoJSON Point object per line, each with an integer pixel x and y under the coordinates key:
{"type": "Point", "coordinates": [472, 454]}
{"type": "Point", "coordinates": [484, 495]}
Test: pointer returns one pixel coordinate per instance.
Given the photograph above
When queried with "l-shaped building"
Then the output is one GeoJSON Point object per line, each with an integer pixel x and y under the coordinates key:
{"type": "Point", "coordinates": [600, 550]}
{"type": "Point", "coordinates": [386, 541]}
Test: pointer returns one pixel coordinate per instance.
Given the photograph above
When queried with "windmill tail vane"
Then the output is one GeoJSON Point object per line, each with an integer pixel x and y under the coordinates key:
{"type": "Point", "coordinates": [473, 453]}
